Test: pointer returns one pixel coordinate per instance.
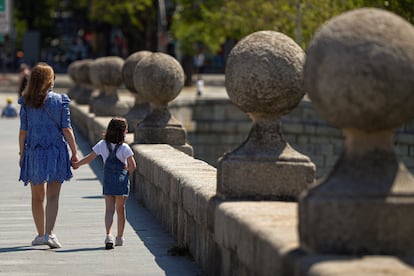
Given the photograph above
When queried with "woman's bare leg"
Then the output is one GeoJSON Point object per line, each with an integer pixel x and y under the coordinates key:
{"type": "Point", "coordinates": [38, 210]}
{"type": "Point", "coordinates": [52, 205]}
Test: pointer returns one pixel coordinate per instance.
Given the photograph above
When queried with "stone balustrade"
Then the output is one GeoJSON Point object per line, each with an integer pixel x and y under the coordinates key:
{"type": "Point", "coordinates": [141, 106]}
{"type": "Point", "coordinates": [106, 76]}
{"type": "Point", "coordinates": [357, 75]}
{"type": "Point", "coordinates": [86, 88]}
{"type": "Point", "coordinates": [264, 75]}
{"type": "Point", "coordinates": [344, 223]}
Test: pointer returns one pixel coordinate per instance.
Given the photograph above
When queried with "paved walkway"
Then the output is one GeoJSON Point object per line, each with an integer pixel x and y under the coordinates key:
{"type": "Point", "coordinates": [80, 225]}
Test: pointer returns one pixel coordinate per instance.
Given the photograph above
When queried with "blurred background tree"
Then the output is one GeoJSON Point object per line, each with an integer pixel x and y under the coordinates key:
{"type": "Point", "coordinates": [211, 27]}
{"type": "Point", "coordinates": [137, 20]}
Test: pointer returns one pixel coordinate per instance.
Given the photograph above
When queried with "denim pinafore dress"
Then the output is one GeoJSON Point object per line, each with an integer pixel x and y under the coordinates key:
{"type": "Point", "coordinates": [115, 180]}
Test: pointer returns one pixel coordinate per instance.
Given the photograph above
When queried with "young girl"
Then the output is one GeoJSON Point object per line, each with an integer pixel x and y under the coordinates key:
{"type": "Point", "coordinates": [118, 161]}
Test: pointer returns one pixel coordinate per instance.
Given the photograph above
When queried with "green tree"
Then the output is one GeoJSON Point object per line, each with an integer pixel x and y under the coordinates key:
{"type": "Point", "coordinates": [136, 18]}
{"type": "Point", "coordinates": [211, 22]}
{"type": "Point", "coordinates": [34, 15]}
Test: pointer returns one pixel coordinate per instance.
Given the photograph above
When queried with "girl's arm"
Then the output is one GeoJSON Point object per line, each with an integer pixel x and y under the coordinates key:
{"type": "Point", "coordinates": [86, 160]}
{"type": "Point", "coordinates": [132, 165]}
{"type": "Point", "coordinates": [22, 138]}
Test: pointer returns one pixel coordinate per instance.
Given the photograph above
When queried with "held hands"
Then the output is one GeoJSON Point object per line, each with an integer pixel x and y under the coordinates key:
{"type": "Point", "coordinates": [74, 162]}
{"type": "Point", "coordinates": [74, 165]}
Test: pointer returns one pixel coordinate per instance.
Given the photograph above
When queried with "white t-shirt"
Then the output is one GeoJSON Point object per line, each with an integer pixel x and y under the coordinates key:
{"type": "Point", "coordinates": [124, 151]}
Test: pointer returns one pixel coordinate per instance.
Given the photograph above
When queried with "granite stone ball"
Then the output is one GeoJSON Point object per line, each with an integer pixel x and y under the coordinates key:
{"type": "Point", "coordinates": [94, 73]}
{"type": "Point", "coordinates": [106, 71]}
{"type": "Point", "coordinates": [72, 71]}
{"type": "Point", "coordinates": [359, 70]}
{"type": "Point", "coordinates": [264, 73]}
{"type": "Point", "coordinates": [159, 77]}
{"type": "Point", "coordinates": [129, 68]}
{"type": "Point", "coordinates": [82, 72]}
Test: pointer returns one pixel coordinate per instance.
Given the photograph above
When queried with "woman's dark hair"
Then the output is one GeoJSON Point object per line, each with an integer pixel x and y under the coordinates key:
{"type": "Point", "coordinates": [40, 82]}
{"type": "Point", "coordinates": [115, 133]}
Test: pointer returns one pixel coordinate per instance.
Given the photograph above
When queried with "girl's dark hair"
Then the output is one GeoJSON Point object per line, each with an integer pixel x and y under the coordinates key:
{"type": "Point", "coordinates": [40, 82]}
{"type": "Point", "coordinates": [115, 133]}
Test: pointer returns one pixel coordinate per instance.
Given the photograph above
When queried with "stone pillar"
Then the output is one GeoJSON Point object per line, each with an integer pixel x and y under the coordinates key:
{"type": "Point", "coordinates": [86, 88]}
{"type": "Point", "coordinates": [105, 74]}
{"type": "Point", "coordinates": [160, 78]}
{"type": "Point", "coordinates": [264, 79]}
{"type": "Point", "coordinates": [141, 106]}
{"type": "Point", "coordinates": [359, 75]}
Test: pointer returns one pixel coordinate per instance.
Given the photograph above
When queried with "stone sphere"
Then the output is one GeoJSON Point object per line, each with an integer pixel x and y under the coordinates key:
{"type": "Point", "coordinates": [264, 73]}
{"type": "Point", "coordinates": [129, 68]}
{"type": "Point", "coordinates": [82, 72]}
{"type": "Point", "coordinates": [159, 77]}
{"type": "Point", "coordinates": [359, 70]}
{"type": "Point", "coordinates": [106, 71]}
{"type": "Point", "coordinates": [72, 71]}
{"type": "Point", "coordinates": [93, 73]}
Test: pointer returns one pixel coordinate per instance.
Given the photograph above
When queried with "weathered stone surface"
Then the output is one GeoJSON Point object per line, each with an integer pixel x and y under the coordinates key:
{"type": "Point", "coordinates": [264, 79]}
{"type": "Point", "coordinates": [160, 78]}
{"type": "Point", "coordinates": [82, 72]}
{"type": "Point", "coordinates": [72, 68]}
{"type": "Point", "coordinates": [141, 107]}
{"type": "Point", "coordinates": [355, 75]}
{"type": "Point", "coordinates": [128, 69]}
{"type": "Point", "coordinates": [284, 175]}
{"type": "Point", "coordinates": [105, 75]}
{"type": "Point", "coordinates": [83, 76]}
{"type": "Point", "coordinates": [75, 89]}
{"type": "Point", "coordinates": [362, 83]}
{"type": "Point", "coordinates": [264, 74]}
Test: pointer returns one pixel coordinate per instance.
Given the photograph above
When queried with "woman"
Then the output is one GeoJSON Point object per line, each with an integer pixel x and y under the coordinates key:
{"type": "Point", "coordinates": [45, 131]}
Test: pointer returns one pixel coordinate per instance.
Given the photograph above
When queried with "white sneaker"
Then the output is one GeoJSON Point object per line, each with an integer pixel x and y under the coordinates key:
{"type": "Point", "coordinates": [52, 241]}
{"type": "Point", "coordinates": [39, 240]}
{"type": "Point", "coordinates": [109, 242]}
{"type": "Point", "coordinates": [119, 241]}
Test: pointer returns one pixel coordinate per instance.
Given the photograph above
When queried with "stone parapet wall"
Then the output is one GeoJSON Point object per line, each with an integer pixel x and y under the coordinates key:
{"type": "Point", "coordinates": [227, 237]}
{"type": "Point", "coordinates": [216, 126]}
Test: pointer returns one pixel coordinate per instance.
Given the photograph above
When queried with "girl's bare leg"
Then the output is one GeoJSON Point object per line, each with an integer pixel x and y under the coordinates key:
{"type": "Point", "coordinates": [109, 213]}
{"type": "Point", "coordinates": [121, 214]}
{"type": "Point", "coordinates": [38, 210]}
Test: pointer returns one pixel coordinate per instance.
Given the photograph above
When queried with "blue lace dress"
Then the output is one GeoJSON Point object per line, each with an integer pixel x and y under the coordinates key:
{"type": "Point", "coordinates": [45, 156]}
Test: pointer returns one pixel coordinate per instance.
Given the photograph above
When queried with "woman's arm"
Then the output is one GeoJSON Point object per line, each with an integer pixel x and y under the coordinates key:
{"type": "Point", "coordinates": [70, 138]}
{"type": "Point", "coordinates": [22, 138]}
{"type": "Point", "coordinates": [132, 165]}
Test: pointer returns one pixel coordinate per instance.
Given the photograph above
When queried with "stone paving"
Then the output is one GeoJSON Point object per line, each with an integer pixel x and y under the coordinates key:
{"type": "Point", "coordinates": [80, 223]}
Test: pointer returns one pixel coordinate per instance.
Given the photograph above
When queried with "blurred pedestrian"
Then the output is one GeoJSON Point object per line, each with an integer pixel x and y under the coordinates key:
{"type": "Point", "coordinates": [24, 74]}
{"type": "Point", "coordinates": [199, 63]}
{"type": "Point", "coordinates": [200, 86]}
{"type": "Point", "coordinates": [10, 110]}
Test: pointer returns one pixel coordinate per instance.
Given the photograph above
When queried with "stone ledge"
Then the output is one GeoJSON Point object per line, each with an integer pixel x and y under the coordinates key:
{"type": "Point", "coordinates": [259, 233]}
{"type": "Point", "coordinates": [264, 238]}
